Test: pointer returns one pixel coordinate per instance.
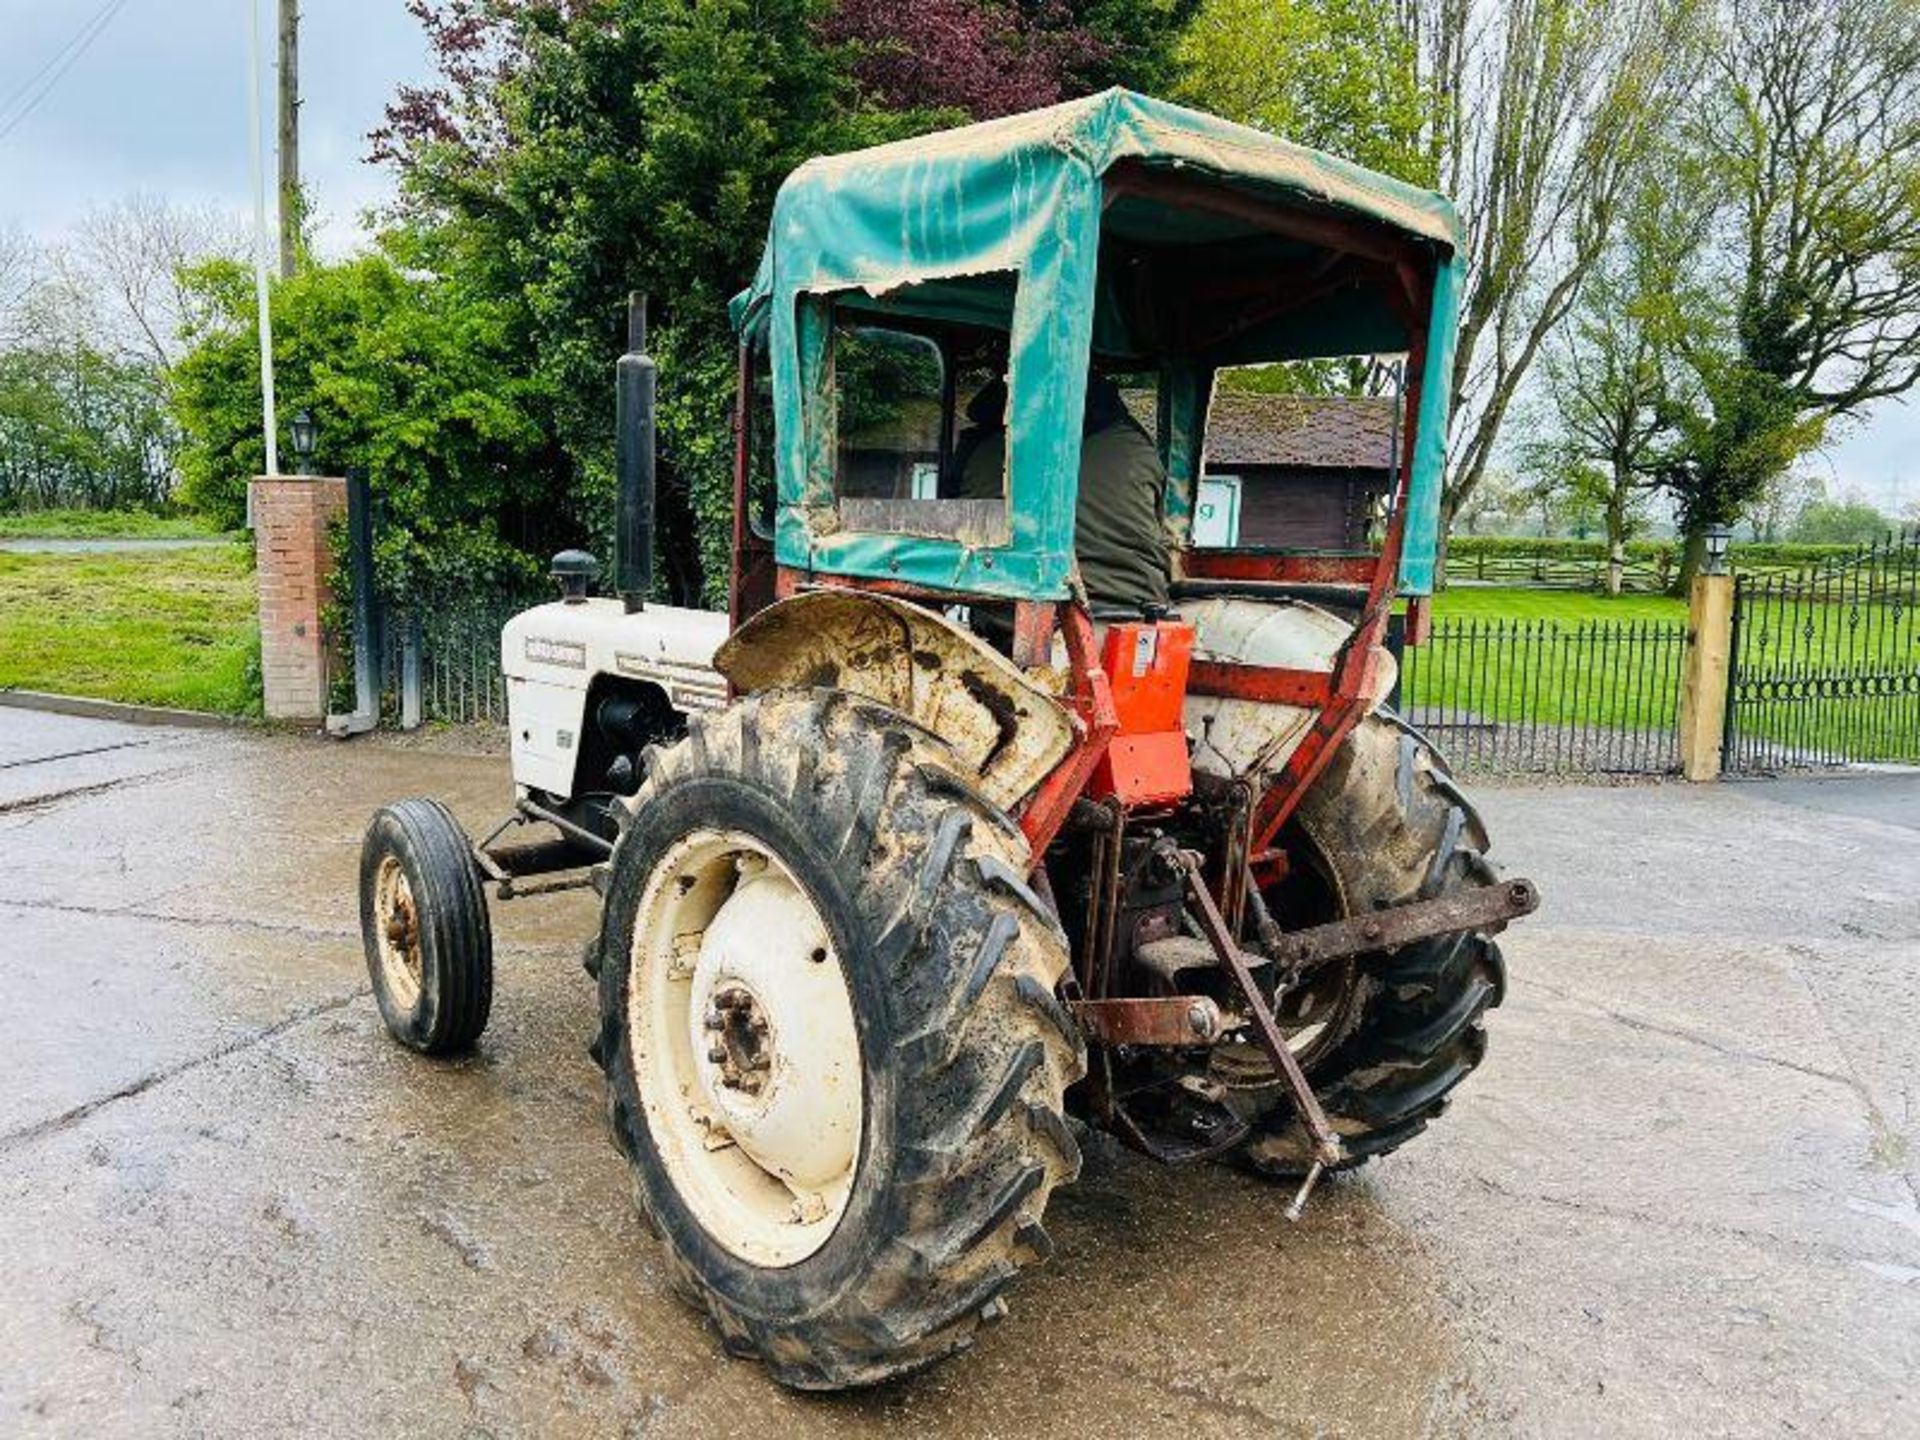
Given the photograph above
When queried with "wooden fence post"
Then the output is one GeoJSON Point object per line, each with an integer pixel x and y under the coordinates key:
{"type": "Point", "coordinates": [1703, 698]}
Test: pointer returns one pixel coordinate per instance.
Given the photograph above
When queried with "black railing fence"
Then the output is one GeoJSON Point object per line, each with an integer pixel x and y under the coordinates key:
{"type": "Point", "coordinates": [442, 657]}
{"type": "Point", "coordinates": [1825, 666]}
{"type": "Point", "coordinates": [1497, 696]}
{"type": "Point", "coordinates": [1539, 697]}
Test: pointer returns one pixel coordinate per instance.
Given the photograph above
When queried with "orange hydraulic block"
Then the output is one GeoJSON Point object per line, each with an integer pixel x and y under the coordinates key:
{"type": "Point", "coordinates": [1146, 664]}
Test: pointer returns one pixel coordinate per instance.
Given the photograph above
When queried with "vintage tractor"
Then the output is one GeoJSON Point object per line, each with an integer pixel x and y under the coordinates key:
{"type": "Point", "coordinates": [998, 808]}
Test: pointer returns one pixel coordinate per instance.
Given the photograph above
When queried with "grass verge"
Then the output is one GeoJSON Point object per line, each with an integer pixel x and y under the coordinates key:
{"type": "Point", "coordinates": [103, 525]}
{"type": "Point", "coordinates": [175, 627]}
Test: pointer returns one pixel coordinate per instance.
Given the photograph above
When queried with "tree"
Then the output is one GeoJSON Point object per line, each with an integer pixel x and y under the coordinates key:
{"type": "Point", "coordinates": [1779, 506]}
{"type": "Point", "coordinates": [410, 379]}
{"type": "Point", "coordinates": [127, 264]}
{"type": "Point", "coordinates": [984, 58]}
{"type": "Point", "coordinates": [81, 428]}
{"type": "Point", "coordinates": [19, 265]}
{"type": "Point", "coordinates": [1852, 521]}
{"type": "Point", "coordinates": [1337, 75]}
{"type": "Point", "coordinates": [574, 153]}
{"type": "Point", "coordinates": [1136, 42]}
{"type": "Point", "coordinates": [1494, 504]}
{"type": "Point", "coordinates": [83, 420]}
{"type": "Point", "coordinates": [1610, 378]}
{"type": "Point", "coordinates": [1533, 115]}
{"type": "Point", "coordinates": [1810, 138]}
{"type": "Point", "coordinates": [1545, 112]}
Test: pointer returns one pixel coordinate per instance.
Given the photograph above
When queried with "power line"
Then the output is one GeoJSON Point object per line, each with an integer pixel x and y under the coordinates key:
{"type": "Point", "coordinates": [56, 67]}
{"type": "Point", "coordinates": [53, 59]}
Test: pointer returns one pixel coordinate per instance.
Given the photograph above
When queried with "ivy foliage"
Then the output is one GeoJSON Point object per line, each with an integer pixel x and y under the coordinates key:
{"type": "Point", "coordinates": [630, 146]}
{"type": "Point", "coordinates": [410, 381]}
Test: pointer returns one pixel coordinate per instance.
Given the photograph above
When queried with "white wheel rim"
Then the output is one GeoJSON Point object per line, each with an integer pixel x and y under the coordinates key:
{"type": "Point", "coordinates": [744, 1047]}
{"type": "Point", "coordinates": [398, 920]}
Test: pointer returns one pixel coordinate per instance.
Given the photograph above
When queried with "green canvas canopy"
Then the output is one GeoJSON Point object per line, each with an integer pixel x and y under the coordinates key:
{"type": "Point", "coordinates": [1113, 228]}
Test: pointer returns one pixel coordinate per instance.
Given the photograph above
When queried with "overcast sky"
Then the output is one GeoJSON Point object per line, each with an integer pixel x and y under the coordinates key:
{"type": "Point", "coordinates": [158, 102]}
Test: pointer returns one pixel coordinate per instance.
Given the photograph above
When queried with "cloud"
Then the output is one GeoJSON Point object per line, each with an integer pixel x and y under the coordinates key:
{"type": "Point", "coordinates": [159, 103]}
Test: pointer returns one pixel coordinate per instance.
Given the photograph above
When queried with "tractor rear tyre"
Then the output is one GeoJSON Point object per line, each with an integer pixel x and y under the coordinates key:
{"type": "Point", "coordinates": [834, 1057]}
{"type": "Point", "coordinates": [1384, 825]}
{"type": "Point", "coordinates": [424, 923]}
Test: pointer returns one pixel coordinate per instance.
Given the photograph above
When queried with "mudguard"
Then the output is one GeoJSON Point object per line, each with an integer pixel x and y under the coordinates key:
{"type": "Point", "coordinates": [1009, 730]}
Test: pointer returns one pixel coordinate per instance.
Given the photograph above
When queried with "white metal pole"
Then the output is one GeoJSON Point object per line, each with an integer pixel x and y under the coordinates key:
{"type": "Point", "coordinates": [260, 257]}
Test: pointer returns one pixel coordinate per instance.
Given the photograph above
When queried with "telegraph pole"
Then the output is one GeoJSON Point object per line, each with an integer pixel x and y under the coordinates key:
{"type": "Point", "coordinates": [290, 206]}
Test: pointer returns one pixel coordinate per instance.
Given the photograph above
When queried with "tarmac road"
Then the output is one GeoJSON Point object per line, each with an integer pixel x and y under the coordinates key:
{"type": "Point", "coordinates": [1681, 1194]}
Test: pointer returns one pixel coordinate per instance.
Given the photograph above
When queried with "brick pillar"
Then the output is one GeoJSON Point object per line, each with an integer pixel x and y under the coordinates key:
{"type": "Point", "coordinates": [290, 519]}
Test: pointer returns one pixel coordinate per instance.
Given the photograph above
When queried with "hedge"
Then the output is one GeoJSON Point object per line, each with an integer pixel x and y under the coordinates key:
{"type": "Point", "coordinates": [1741, 552]}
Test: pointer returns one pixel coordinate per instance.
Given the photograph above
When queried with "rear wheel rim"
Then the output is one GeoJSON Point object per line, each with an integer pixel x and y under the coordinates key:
{"type": "Point", "coordinates": [397, 917]}
{"type": "Point", "coordinates": [744, 1046]}
{"type": "Point", "coordinates": [1316, 1016]}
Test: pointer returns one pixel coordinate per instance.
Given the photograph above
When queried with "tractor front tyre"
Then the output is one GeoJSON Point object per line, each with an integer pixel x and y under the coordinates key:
{"type": "Point", "coordinates": [424, 923]}
{"type": "Point", "coordinates": [833, 1052]}
{"type": "Point", "coordinates": [1385, 825]}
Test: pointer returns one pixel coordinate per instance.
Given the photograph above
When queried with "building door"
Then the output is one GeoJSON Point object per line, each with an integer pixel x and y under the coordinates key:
{"type": "Point", "coordinates": [1216, 512]}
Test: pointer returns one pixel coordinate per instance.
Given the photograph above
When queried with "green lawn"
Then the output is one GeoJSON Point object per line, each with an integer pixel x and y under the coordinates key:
{"type": "Point", "coordinates": [173, 627]}
{"type": "Point", "coordinates": [1550, 657]}
{"type": "Point", "coordinates": [1568, 607]}
{"type": "Point", "coordinates": [102, 525]}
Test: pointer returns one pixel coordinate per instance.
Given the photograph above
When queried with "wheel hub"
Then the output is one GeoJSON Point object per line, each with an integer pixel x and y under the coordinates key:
{"type": "Point", "coordinates": [745, 1047]}
{"type": "Point", "coordinates": [780, 1057]}
{"type": "Point", "coordinates": [399, 928]}
{"type": "Point", "coordinates": [740, 1047]}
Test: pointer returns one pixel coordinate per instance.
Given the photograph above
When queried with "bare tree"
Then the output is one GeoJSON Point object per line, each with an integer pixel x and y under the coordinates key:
{"type": "Point", "coordinates": [1545, 110]}
{"type": "Point", "coordinates": [19, 273]}
{"type": "Point", "coordinates": [124, 265]}
{"type": "Point", "coordinates": [1779, 506]}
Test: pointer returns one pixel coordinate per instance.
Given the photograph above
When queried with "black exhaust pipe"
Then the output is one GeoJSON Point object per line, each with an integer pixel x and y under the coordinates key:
{"type": "Point", "coordinates": [636, 380]}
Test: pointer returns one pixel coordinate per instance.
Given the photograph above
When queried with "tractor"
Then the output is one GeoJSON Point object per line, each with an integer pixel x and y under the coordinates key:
{"type": "Point", "coordinates": [998, 810]}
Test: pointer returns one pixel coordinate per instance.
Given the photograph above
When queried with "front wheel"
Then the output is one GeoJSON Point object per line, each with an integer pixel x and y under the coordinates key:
{"type": "Point", "coordinates": [424, 923]}
{"type": "Point", "coordinates": [833, 1053]}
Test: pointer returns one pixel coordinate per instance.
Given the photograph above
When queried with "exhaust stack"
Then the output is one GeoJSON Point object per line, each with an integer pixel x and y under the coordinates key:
{"type": "Point", "coordinates": [636, 380]}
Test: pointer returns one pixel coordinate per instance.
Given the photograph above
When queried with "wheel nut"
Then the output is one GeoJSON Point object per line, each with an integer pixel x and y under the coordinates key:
{"type": "Point", "coordinates": [718, 1054]}
{"type": "Point", "coordinates": [714, 1020]}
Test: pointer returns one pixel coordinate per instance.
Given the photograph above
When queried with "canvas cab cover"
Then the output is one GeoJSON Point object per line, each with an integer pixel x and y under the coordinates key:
{"type": "Point", "coordinates": [1109, 229]}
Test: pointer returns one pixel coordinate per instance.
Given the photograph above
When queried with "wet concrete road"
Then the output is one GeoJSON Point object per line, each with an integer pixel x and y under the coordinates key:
{"type": "Point", "coordinates": [1680, 1195]}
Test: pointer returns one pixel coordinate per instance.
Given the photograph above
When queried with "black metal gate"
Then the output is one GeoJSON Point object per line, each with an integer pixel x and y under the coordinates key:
{"type": "Point", "coordinates": [1825, 664]}
{"type": "Point", "coordinates": [1516, 696]}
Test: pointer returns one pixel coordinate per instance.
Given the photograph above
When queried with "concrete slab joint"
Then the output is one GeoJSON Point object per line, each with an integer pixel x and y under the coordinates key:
{"type": "Point", "coordinates": [291, 514]}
